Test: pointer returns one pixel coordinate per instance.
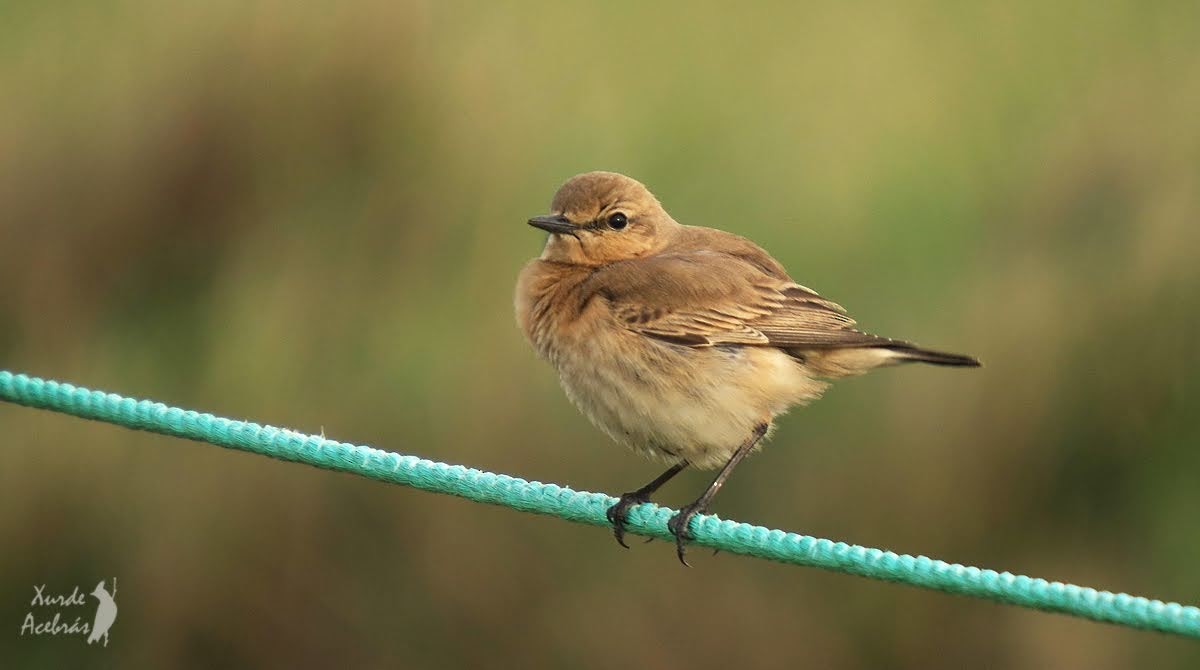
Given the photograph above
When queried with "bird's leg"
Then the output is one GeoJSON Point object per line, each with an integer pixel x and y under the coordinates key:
{"type": "Point", "coordinates": [620, 511]}
{"type": "Point", "coordinates": [678, 525]}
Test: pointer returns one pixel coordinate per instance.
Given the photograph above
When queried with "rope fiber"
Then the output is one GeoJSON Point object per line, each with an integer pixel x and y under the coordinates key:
{"type": "Point", "coordinates": [552, 500]}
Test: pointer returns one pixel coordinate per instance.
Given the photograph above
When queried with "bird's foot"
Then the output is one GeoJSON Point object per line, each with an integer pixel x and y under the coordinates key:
{"type": "Point", "coordinates": [678, 525]}
{"type": "Point", "coordinates": [618, 513]}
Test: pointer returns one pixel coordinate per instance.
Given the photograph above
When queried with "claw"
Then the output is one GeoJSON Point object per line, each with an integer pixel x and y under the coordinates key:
{"type": "Point", "coordinates": [678, 525]}
{"type": "Point", "coordinates": [680, 551]}
{"type": "Point", "coordinates": [618, 513]}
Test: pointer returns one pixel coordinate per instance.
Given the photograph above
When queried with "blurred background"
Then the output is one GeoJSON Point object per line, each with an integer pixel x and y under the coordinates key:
{"type": "Point", "coordinates": [312, 215]}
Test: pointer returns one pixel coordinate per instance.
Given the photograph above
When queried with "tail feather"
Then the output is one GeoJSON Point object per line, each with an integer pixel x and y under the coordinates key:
{"type": "Point", "coordinates": [917, 355]}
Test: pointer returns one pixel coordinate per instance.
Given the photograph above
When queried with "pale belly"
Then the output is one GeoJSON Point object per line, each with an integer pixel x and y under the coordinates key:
{"type": "Point", "coordinates": [672, 402]}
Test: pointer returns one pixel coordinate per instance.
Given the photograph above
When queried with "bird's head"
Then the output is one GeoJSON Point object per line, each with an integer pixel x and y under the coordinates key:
{"type": "Point", "coordinates": [603, 217]}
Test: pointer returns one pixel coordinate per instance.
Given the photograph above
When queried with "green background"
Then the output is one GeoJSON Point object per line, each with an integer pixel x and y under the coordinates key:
{"type": "Point", "coordinates": [312, 215]}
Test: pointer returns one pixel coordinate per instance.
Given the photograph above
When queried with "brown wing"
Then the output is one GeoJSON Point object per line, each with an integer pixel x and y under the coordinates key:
{"type": "Point", "coordinates": [707, 298]}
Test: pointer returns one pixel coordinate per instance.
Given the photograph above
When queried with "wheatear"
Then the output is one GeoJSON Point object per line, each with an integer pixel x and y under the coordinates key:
{"type": "Point", "coordinates": [682, 343]}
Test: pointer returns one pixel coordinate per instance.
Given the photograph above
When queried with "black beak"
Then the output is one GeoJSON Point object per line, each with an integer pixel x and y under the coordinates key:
{"type": "Point", "coordinates": [553, 224]}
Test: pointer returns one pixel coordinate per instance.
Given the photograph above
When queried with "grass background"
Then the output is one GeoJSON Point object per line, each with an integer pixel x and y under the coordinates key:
{"type": "Point", "coordinates": [312, 215]}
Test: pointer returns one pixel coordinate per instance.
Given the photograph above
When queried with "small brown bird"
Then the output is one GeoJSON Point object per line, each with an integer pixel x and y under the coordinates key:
{"type": "Point", "coordinates": [682, 343]}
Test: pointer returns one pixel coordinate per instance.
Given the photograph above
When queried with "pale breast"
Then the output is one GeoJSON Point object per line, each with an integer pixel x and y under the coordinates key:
{"type": "Point", "coordinates": [665, 400]}
{"type": "Point", "coordinates": [671, 401]}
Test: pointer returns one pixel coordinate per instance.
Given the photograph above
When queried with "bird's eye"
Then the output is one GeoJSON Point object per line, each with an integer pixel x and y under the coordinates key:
{"type": "Point", "coordinates": [617, 221]}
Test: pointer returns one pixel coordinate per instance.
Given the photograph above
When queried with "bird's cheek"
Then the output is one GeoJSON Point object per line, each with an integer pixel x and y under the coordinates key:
{"type": "Point", "coordinates": [631, 247]}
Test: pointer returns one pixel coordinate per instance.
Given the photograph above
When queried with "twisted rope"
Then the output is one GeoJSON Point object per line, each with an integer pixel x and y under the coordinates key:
{"type": "Point", "coordinates": [553, 500]}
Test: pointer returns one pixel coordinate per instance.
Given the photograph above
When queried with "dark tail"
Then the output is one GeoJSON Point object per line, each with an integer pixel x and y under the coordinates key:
{"type": "Point", "coordinates": [918, 355]}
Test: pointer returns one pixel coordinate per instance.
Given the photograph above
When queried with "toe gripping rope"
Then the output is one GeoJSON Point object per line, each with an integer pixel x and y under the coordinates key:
{"type": "Point", "coordinates": [649, 520]}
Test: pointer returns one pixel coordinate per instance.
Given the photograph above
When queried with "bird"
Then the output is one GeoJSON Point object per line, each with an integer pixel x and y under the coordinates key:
{"type": "Point", "coordinates": [682, 343]}
{"type": "Point", "coordinates": [106, 612]}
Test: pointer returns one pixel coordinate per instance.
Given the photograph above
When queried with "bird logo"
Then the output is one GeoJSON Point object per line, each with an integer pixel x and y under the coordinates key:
{"type": "Point", "coordinates": [106, 612]}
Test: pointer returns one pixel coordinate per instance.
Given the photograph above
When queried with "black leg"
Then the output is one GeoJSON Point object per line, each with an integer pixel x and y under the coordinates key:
{"type": "Point", "coordinates": [618, 512]}
{"type": "Point", "coordinates": [678, 525]}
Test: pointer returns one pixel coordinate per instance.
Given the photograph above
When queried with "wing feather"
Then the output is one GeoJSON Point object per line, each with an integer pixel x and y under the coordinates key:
{"type": "Point", "coordinates": [705, 298]}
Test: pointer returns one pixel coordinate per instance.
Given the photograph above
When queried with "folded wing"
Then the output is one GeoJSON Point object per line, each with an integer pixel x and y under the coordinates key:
{"type": "Point", "coordinates": [707, 298]}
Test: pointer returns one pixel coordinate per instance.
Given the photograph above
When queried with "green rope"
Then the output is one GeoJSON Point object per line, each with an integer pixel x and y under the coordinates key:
{"type": "Point", "coordinates": [650, 520]}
